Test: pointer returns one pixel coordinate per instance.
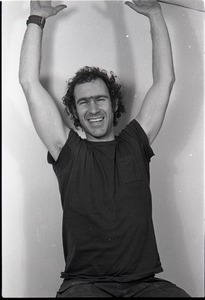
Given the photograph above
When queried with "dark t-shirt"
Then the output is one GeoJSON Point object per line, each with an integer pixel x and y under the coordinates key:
{"type": "Point", "coordinates": [107, 212]}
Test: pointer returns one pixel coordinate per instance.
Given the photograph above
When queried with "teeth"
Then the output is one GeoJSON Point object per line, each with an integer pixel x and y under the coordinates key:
{"type": "Point", "coordinates": [95, 120]}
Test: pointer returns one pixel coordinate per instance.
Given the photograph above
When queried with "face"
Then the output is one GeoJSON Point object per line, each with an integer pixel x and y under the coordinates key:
{"type": "Point", "coordinates": [94, 110]}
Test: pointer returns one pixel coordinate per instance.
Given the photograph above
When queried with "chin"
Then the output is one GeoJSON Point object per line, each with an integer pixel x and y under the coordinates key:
{"type": "Point", "coordinates": [97, 134]}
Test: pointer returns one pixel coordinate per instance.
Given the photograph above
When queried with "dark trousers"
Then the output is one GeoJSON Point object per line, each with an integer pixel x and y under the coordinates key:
{"type": "Point", "coordinates": [149, 287]}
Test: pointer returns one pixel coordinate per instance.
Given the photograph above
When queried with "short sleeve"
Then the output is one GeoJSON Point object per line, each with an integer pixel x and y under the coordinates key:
{"type": "Point", "coordinates": [136, 133]}
{"type": "Point", "coordinates": [144, 140]}
{"type": "Point", "coordinates": [66, 153]}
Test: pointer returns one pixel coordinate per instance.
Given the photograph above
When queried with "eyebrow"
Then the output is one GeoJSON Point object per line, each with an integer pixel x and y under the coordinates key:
{"type": "Point", "coordinates": [95, 97]}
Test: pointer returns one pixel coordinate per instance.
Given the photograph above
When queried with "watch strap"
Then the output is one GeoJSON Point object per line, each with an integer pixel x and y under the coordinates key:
{"type": "Point", "coordinates": [36, 20]}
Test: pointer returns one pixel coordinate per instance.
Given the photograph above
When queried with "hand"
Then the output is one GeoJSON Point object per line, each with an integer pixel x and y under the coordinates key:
{"type": "Point", "coordinates": [44, 8]}
{"type": "Point", "coordinates": [144, 7]}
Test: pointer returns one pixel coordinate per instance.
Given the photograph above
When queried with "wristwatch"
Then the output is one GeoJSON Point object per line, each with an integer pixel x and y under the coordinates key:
{"type": "Point", "coordinates": [36, 20]}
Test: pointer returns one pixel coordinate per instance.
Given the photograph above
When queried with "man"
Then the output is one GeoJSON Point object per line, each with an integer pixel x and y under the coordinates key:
{"type": "Point", "coordinates": [108, 235]}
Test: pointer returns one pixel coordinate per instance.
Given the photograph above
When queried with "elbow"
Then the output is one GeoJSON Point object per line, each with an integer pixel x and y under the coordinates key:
{"type": "Point", "coordinates": [172, 79]}
{"type": "Point", "coordinates": [169, 81]}
{"type": "Point", "coordinates": [165, 79]}
{"type": "Point", "coordinates": [25, 85]}
{"type": "Point", "coordinates": [166, 83]}
{"type": "Point", "coordinates": [27, 78]}
{"type": "Point", "coordinates": [22, 83]}
{"type": "Point", "coordinates": [169, 77]}
{"type": "Point", "coordinates": [25, 82]}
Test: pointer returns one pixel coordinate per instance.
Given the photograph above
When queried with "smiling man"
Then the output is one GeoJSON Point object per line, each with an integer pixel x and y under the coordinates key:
{"type": "Point", "coordinates": [108, 234]}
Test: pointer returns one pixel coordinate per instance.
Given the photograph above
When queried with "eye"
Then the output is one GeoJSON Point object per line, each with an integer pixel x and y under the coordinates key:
{"type": "Point", "coordinates": [101, 99]}
{"type": "Point", "coordinates": [83, 102]}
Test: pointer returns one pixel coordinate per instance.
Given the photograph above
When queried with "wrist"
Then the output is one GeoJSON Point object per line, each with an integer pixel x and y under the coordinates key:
{"type": "Point", "coordinates": [36, 19]}
{"type": "Point", "coordinates": [156, 15]}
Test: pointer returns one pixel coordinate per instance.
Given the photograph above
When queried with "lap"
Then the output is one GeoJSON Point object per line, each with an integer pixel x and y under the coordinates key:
{"type": "Point", "coordinates": [149, 287]}
{"type": "Point", "coordinates": [157, 287]}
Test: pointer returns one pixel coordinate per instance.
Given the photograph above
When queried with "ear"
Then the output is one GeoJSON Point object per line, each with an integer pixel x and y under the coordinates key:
{"type": "Point", "coordinates": [115, 107]}
{"type": "Point", "coordinates": [75, 113]}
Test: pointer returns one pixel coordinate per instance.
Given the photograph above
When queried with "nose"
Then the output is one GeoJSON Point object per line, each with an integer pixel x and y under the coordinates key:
{"type": "Point", "coordinates": [93, 107]}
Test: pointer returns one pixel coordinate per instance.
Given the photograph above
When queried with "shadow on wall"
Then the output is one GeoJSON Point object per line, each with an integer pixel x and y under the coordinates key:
{"type": "Point", "coordinates": [42, 222]}
{"type": "Point", "coordinates": [41, 216]}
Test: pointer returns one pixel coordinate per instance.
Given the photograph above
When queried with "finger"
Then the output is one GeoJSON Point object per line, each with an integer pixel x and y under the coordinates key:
{"type": "Point", "coordinates": [130, 4]}
{"type": "Point", "coordinates": [60, 7]}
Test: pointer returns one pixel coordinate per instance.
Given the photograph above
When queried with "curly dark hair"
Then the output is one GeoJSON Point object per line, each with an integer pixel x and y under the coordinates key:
{"type": "Point", "coordinates": [86, 74]}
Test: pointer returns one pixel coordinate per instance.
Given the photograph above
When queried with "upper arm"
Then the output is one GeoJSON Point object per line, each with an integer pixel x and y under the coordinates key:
{"type": "Point", "coordinates": [46, 118]}
{"type": "Point", "coordinates": [153, 109]}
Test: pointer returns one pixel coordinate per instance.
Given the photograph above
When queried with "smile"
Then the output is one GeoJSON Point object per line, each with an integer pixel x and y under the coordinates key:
{"type": "Point", "coordinates": [97, 120]}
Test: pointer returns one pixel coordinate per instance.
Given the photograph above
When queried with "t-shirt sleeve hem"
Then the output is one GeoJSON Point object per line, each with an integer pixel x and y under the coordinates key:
{"type": "Point", "coordinates": [144, 139]}
{"type": "Point", "coordinates": [50, 158]}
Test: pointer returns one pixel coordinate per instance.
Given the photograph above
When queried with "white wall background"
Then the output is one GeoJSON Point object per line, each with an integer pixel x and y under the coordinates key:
{"type": "Point", "coordinates": [111, 36]}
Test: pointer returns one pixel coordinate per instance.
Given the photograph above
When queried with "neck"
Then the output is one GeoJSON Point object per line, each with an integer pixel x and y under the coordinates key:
{"type": "Point", "coordinates": [109, 138]}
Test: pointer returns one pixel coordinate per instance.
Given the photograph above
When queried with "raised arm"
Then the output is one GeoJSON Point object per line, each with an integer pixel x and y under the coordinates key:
{"type": "Point", "coordinates": [43, 110]}
{"type": "Point", "coordinates": [153, 109]}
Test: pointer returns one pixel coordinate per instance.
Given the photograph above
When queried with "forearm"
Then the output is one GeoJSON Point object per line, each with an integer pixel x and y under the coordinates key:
{"type": "Point", "coordinates": [162, 61]}
{"type": "Point", "coordinates": [30, 58]}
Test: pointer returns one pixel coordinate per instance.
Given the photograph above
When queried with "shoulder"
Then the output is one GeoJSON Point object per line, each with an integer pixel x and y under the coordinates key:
{"type": "Point", "coordinates": [135, 136]}
{"type": "Point", "coordinates": [67, 149]}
